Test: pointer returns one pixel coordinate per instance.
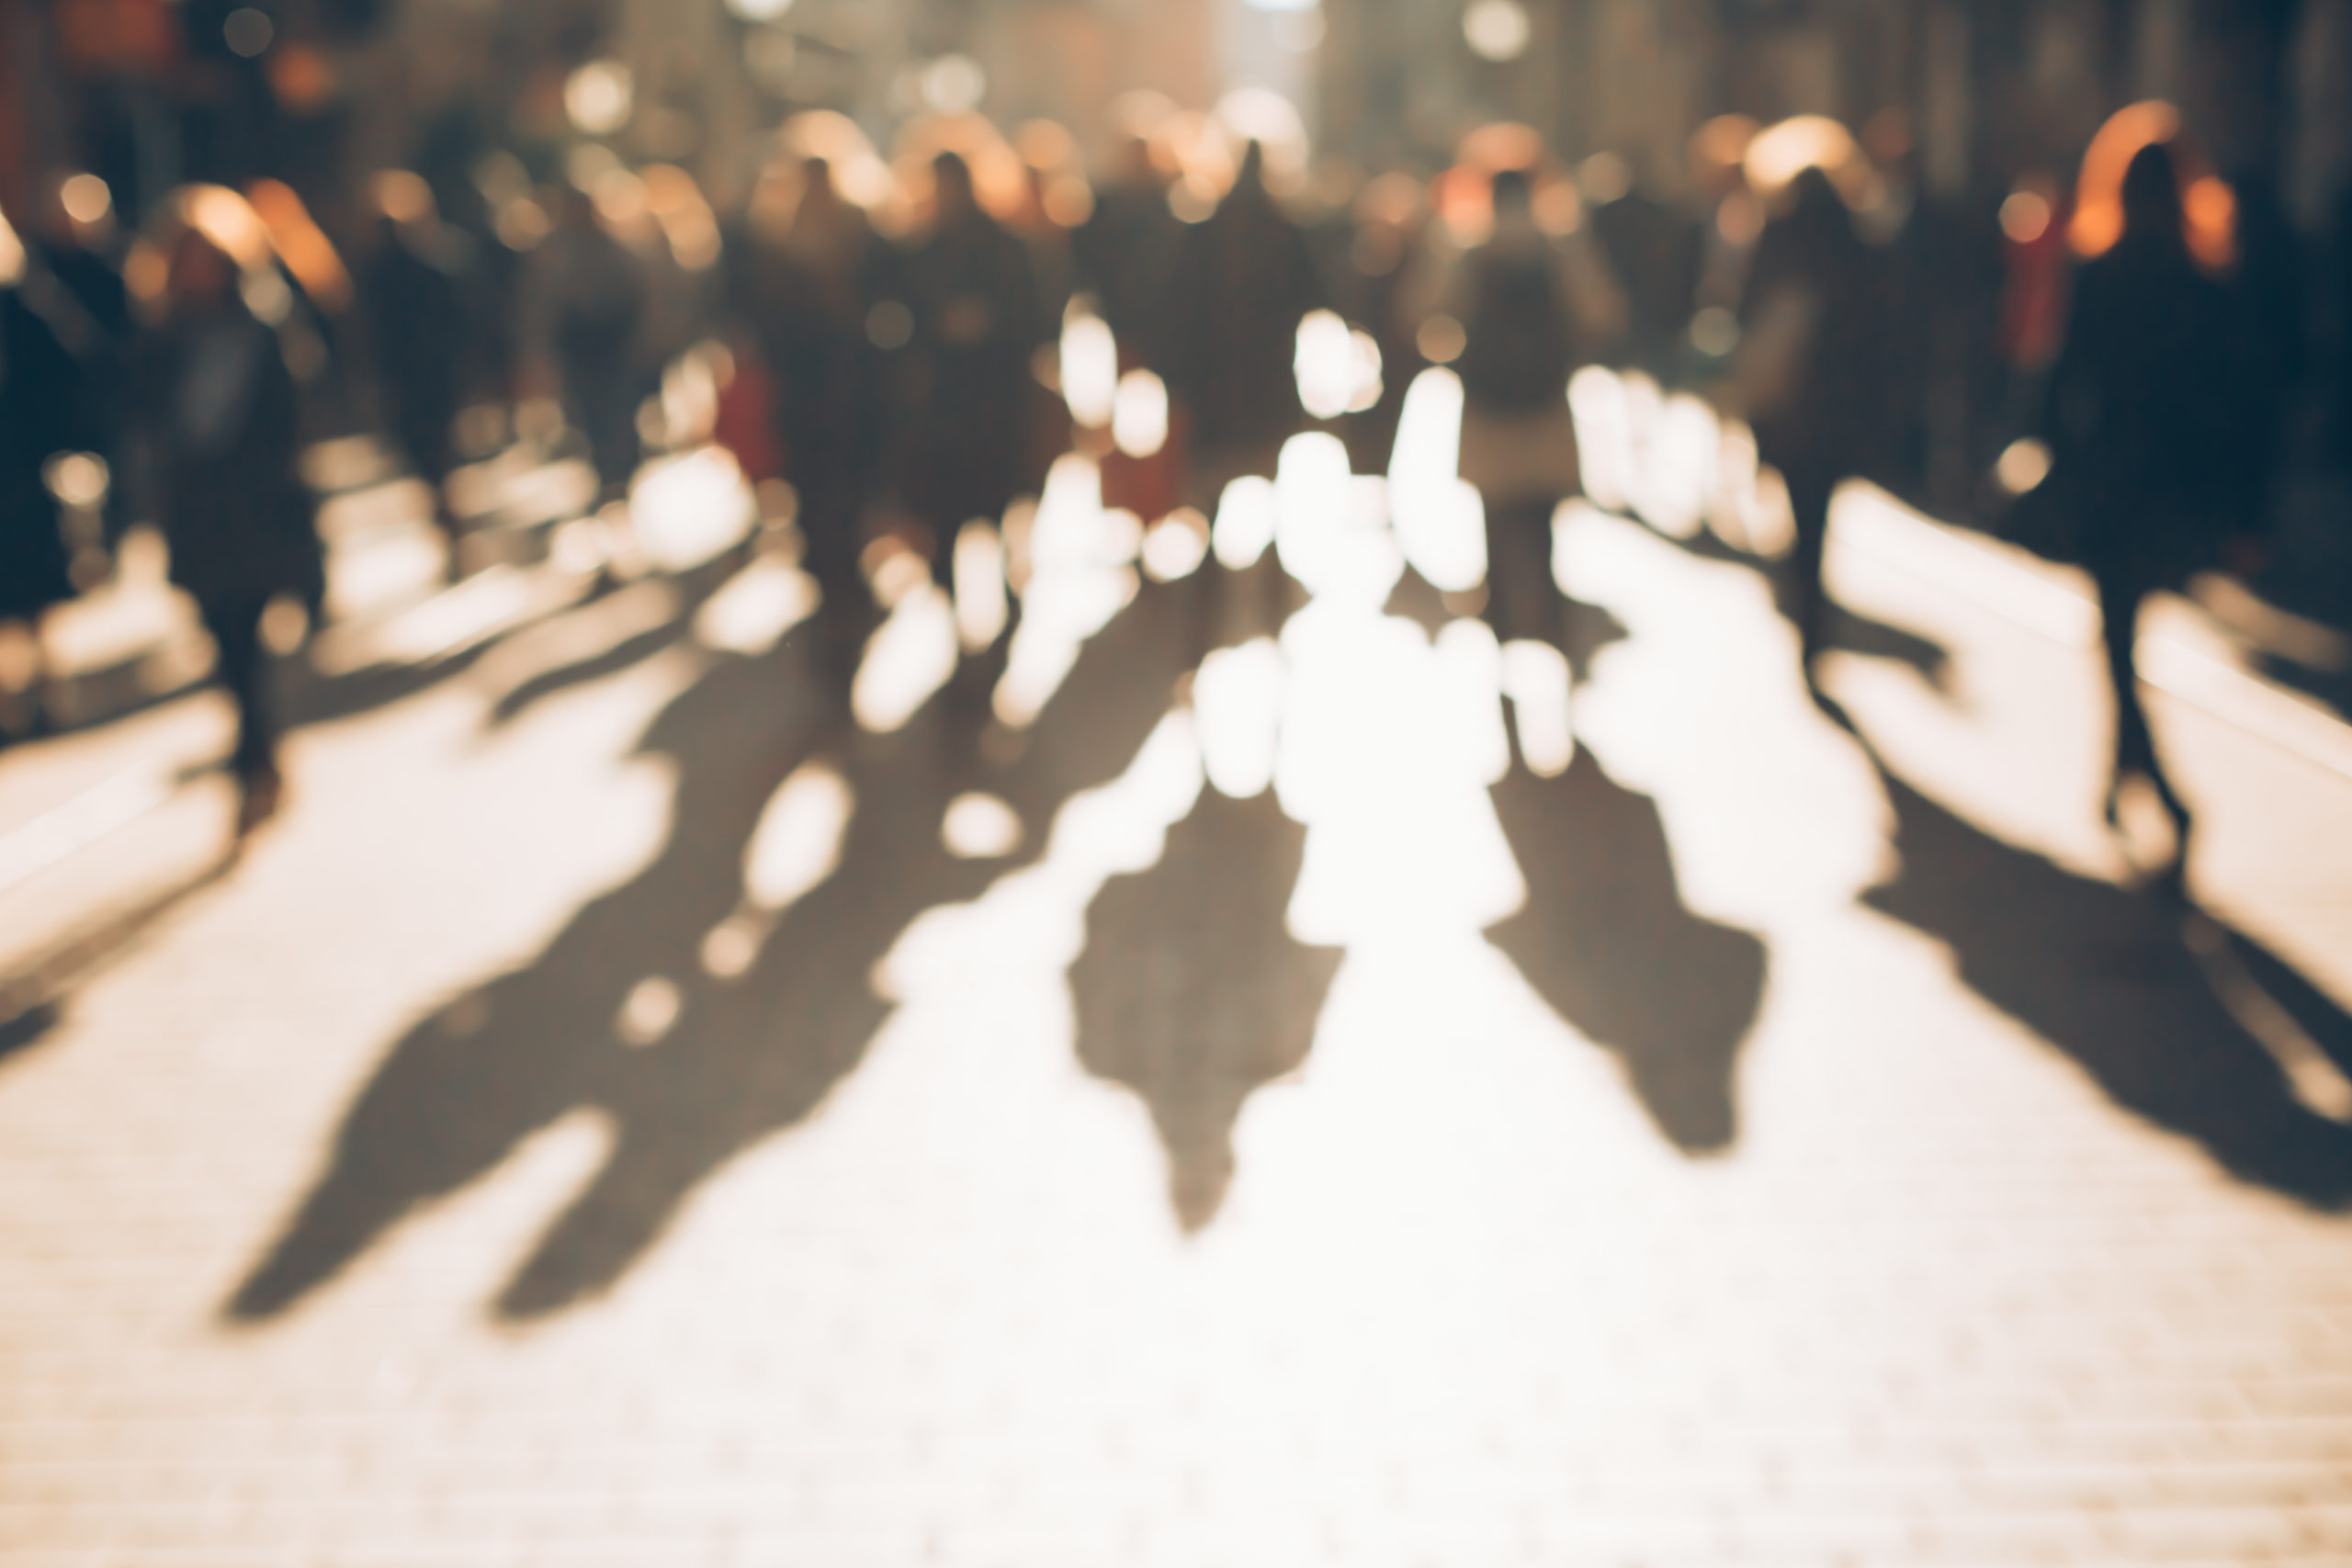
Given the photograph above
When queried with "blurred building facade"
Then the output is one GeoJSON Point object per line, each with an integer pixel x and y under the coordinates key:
{"type": "Point", "coordinates": [149, 92]}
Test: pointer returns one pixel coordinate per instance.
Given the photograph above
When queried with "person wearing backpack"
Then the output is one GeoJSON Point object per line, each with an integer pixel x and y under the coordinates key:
{"type": "Point", "coordinates": [1516, 307]}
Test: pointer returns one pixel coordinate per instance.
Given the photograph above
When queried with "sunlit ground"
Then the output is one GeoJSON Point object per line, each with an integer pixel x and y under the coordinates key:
{"type": "Point", "coordinates": [1242, 1074]}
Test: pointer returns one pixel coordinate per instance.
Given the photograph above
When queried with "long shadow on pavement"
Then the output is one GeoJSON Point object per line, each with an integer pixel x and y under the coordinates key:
{"type": "Point", "coordinates": [2107, 977]}
{"type": "Point", "coordinates": [1192, 992]}
{"type": "Point", "coordinates": [745, 1055]}
{"type": "Point", "coordinates": [1605, 939]}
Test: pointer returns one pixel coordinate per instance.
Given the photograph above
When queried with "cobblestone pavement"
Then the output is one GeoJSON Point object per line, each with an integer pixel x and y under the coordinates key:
{"type": "Point", "coordinates": [603, 1121]}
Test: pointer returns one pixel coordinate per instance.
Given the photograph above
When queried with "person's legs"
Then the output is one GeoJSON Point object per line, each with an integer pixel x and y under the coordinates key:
{"type": "Point", "coordinates": [1519, 571]}
{"type": "Point", "coordinates": [422, 424]}
{"type": "Point", "coordinates": [2119, 615]}
{"type": "Point", "coordinates": [1809, 491]}
{"type": "Point", "coordinates": [242, 666]}
{"type": "Point", "coordinates": [2119, 596]}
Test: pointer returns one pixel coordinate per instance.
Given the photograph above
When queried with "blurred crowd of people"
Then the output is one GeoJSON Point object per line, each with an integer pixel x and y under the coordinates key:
{"type": "Point", "coordinates": [887, 333]}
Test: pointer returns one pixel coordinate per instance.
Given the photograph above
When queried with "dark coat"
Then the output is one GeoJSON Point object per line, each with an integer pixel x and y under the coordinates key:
{"type": "Point", "coordinates": [224, 412]}
{"type": "Point", "coordinates": [38, 381]}
{"type": "Point", "coordinates": [1242, 280]}
{"type": "Point", "coordinates": [971, 400]}
{"type": "Point", "coordinates": [419, 325]}
{"type": "Point", "coordinates": [1832, 415]}
{"type": "Point", "coordinates": [2143, 418]}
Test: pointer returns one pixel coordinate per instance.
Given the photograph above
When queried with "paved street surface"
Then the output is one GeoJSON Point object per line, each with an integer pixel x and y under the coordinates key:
{"type": "Point", "coordinates": [1209, 1084]}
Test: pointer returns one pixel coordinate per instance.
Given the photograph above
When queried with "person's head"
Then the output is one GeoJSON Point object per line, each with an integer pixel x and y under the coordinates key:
{"type": "Point", "coordinates": [817, 181]}
{"type": "Point", "coordinates": [1130, 159]}
{"type": "Point", "coordinates": [200, 278]}
{"type": "Point", "coordinates": [1251, 175]}
{"type": "Point", "coordinates": [575, 209]}
{"type": "Point", "coordinates": [1514, 194]}
{"type": "Point", "coordinates": [1811, 194]}
{"type": "Point", "coordinates": [2152, 194]}
{"type": "Point", "coordinates": [952, 185]}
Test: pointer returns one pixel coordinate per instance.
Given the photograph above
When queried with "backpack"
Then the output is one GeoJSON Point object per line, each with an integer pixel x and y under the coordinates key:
{"type": "Point", "coordinates": [1517, 344]}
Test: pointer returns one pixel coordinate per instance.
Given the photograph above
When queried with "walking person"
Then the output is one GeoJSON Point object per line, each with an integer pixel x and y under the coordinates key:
{"type": "Point", "coordinates": [37, 381]}
{"type": "Point", "coordinates": [585, 296]}
{"type": "Point", "coordinates": [222, 411]}
{"type": "Point", "coordinates": [2144, 417]}
{"type": "Point", "coordinates": [1808, 374]}
{"type": "Point", "coordinates": [413, 290]}
{"type": "Point", "coordinates": [803, 281]}
{"type": "Point", "coordinates": [971, 289]}
{"type": "Point", "coordinates": [1230, 330]}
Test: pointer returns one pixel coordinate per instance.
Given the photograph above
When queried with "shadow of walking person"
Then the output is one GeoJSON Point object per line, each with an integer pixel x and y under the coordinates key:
{"type": "Point", "coordinates": [1605, 940]}
{"type": "Point", "coordinates": [698, 1013]}
{"type": "Point", "coordinates": [1190, 991]}
{"type": "Point", "coordinates": [2111, 978]}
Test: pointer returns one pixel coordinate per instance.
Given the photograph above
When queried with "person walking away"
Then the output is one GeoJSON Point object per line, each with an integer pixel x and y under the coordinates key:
{"type": "Point", "coordinates": [413, 295]}
{"type": "Point", "coordinates": [224, 417]}
{"type": "Point", "coordinates": [2144, 412]}
{"type": "Point", "coordinates": [1806, 374]}
{"type": "Point", "coordinates": [972, 293]}
{"type": "Point", "coordinates": [82, 253]}
{"type": "Point", "coordinates": [1123, 252]}
{"type": "Point", "coordinates": [586, 294]}
{"type": "Point", "coordinates": [2271, 328]}
{"type": "Point", "coordinates": [1656, 252]}
{"type": "Point", "coordinates": [803, 282]}
{"type": "Point", "coordinates": [1242, 280]}
{"type": "Point", "coordinates": [1515, 303]}
{"type": "Point", "coordinates": [37, 382]}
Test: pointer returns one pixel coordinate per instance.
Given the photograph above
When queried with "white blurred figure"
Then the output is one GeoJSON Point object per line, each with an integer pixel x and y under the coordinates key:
{"type": "Point", "coordinates": [1441, 518]}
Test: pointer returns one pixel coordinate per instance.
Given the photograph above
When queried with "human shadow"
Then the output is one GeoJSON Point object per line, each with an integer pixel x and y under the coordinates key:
{"type": "Point", "coordinates": [1192, 992]}
{"type": "Point", "coordinates": [25, 1027]}
{"type": "Point", "coordinates": [744, 1049]}
{"type": "Point", "coordinates": [33, 996]}
{"type": "Point", "coordinates": [2111, 977]}
{"type": "Point", "coordinates": [1605, 939]}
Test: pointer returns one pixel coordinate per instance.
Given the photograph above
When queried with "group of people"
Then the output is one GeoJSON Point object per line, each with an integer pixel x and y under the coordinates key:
{"type": "Point", "coordinates": [896, 381]}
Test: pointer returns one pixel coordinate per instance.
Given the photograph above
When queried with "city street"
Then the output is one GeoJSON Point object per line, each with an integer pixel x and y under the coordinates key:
{"type": "Point", "coordinates": [1241, 1071]}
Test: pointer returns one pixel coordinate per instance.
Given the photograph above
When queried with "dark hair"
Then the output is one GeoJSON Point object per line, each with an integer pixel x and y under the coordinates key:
{"type": "Point", "coordinates": [2151, 193]}
{"type": "Point", "coordinates": [1252, 171]}
{"type": "Point", "coordinates": [1511, 188]}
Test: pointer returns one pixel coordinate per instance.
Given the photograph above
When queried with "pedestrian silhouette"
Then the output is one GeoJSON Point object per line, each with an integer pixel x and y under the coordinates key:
{"type": "Point", "coordinates": [1123, 251]}
{"type": "Point", "coordinates": [803, 281]}
{"type": "Point", "coordinates": [224, 415]}
{"type": "Point", "coordinates": [1654, 251]}
{"type": "Point", "coordinates": [2141, 415]}
{"type": "Point", "coordinates": [1806, 373]}
{"type": "Point", "coordinates": [964, 380]}
{"type": "Point", "coordinates": [1242, 280]}
{"type": "Point", "coordinates": [38, 376]}
{"type": "Point", "coordinates": [413, 291]}
{"type": "Point", "coordinates": [585, 292]}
